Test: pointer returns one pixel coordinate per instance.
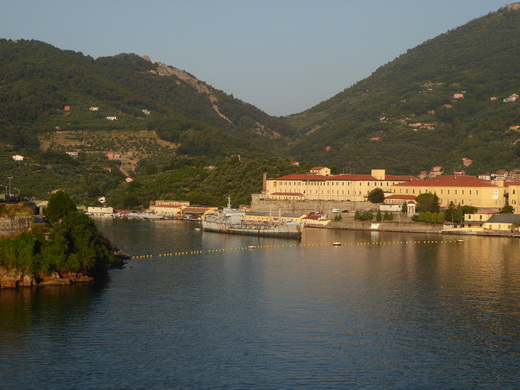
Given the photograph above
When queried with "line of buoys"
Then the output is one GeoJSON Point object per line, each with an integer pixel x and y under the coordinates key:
{"type": "Point", "coordinates": [336, 243]}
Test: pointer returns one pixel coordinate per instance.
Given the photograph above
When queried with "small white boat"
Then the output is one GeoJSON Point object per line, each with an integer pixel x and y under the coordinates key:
{"type": "Point", "coordinates": [336, 243]}
{"type": "Point", "coordinates": [251, 247]}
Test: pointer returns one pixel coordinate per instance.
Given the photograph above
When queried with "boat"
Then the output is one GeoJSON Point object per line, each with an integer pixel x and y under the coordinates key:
{"type": "Point", "coordinates": [229, 220]}
{"type": "Point", "coordinates": [336, 243]}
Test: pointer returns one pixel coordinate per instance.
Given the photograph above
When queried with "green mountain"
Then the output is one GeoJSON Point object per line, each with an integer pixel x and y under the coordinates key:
{"type": "Point", "coordinates": [449, 98]}
{"type": "Point", "coordinates": [113, 115]}
{"type": "Point", "coordinates": [84, 125]}
{"type": "Point", "coordinates": [38, 82]}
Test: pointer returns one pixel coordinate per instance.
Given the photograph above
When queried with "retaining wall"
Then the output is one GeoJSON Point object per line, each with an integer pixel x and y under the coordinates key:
{"type": "Point", "coordinates": [13, 225]}
{"type": "Point", "coordinates": [305, 206]}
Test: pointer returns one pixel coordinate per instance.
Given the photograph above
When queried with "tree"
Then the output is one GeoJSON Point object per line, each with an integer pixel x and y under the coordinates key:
{"type": "Point", "coordinates": [404, 208]}
{"type": "Point", "coordinates": [450, 212]}
{"type": "Point", "coordinates": [379, 216]}
{"type": "Point", "coordinates": [60, 204]}
{"type": "Point", "coordinates": [459, 214]}
{"type": "Point", "coordinates": [507, 209]}
{"type": "Point", "coordinates": [376, 196]}
{"type": "Point", "coordinates": [428, 202]}
{"type": "Point", "coordinates": [441, 218]}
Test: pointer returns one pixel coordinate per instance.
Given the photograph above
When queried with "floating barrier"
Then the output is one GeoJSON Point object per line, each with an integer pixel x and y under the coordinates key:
{"type": "Point", "coordinates": [335, 244]}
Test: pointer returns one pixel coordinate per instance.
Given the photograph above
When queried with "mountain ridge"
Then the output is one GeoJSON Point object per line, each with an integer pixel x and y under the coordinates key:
{"type": "Point", "coordinates": [476, 60]}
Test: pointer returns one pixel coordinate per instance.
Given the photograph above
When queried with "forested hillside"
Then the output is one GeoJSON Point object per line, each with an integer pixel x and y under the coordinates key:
{"type": "Point", "coordinates": [79, 122]}
{"type": "Point", "coordinates": [45, 89]}
{"type": "Point", "coordinates": [449, 98]}
{"type": "Point", "coordinates": [133, 131]}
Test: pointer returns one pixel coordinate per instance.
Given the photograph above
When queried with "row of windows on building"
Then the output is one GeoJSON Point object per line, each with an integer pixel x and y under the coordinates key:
{"type": "Point", "coordinates": [342, 183]}
{"type": "Point", "coordinates": [441, 192]}
{"type": "Point", "coordinates": [337, 192]}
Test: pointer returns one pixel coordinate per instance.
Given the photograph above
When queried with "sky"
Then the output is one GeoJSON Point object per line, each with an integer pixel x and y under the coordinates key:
{"type": "Point", "coordinates": [283, 56]}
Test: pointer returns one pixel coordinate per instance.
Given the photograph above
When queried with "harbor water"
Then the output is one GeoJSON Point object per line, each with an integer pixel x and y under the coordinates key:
{"type": "Point", "coordinates": [198, 310]}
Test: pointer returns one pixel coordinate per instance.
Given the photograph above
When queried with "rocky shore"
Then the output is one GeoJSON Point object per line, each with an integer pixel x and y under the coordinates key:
{"type": "Point", "coordinates": [13, 278]}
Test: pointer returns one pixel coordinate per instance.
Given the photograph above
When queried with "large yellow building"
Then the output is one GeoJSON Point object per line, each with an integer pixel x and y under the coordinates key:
{"type": "Point", "coordinates": [320, 185]}
{"type": "Point", "coordinates": [513, 190]}
{"type": "Point", "coordinates": [463, 190]}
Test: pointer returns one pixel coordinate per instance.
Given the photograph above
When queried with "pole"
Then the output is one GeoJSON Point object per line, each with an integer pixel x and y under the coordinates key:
{"type": "Point", "coordinates": [10, 178]}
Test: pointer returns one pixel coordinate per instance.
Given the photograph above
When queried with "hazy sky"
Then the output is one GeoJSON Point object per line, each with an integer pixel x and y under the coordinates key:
{"type": "Point", "coordinates": [283, 56]}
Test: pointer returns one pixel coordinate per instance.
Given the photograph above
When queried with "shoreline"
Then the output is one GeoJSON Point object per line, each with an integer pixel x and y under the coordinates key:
{"type": "Point", "coordinates": [408, 227]}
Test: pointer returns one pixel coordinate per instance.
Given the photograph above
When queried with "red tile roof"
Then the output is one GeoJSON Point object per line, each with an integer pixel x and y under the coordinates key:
{"type": "Point", "coordinates": [403, 197]}
{"type": "Point", "coordinates": [344, 177]}
{"type": "Point", "coordinates": [448, 181]}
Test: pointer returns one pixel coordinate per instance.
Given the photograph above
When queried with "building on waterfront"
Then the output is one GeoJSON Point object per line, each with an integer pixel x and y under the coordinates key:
{"type": "Point", "coordinates": [513, 192]}
{"type": "Point", "coordinates": [168, 208]}
{"type": "Point", "coordinates": [463, 190]}
{"type": "Point", "coordinates": [319, 184]}
{"type": "Point", "coordinates": [503, 223]}
{"type": "Point", "coordinates": [477, 220]}
{"type": "Point", "coordinates": [100, 210]}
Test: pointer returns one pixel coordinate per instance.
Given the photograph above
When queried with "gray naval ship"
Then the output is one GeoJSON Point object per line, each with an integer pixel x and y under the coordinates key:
{"type": "Point", "coordinates": [229, 220]}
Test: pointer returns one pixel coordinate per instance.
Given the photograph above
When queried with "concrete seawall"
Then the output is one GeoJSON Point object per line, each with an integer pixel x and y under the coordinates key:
{"type": "Point", "coordinates": [305, 206]}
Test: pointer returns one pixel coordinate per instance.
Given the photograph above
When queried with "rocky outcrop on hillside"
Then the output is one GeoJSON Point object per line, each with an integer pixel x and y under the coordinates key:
{"type": "Point", "coordinates": [166, 70]}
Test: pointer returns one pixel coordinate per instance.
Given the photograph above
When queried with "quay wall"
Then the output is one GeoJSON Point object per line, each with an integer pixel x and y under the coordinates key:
{"type": "Point", "coordinates": [306, 206]}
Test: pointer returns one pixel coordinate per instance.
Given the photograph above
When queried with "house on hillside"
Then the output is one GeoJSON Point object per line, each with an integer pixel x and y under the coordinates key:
{"type": "Point", "coordinates": [512, 98]}
{"type": "Point", "coordinates": [323, 171]}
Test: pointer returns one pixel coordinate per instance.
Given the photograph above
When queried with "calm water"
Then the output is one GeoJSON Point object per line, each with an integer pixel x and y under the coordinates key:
{"type": "Point", "coordinates": [401, 315]}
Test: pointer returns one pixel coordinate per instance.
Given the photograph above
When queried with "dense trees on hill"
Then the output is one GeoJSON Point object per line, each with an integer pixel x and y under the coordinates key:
{"type": "Point", "coordinates": [38, 81]}
{"type": "Point", "coordinates": [200, 183]}
{"type": "Point", "coordinates": [73, 242]}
